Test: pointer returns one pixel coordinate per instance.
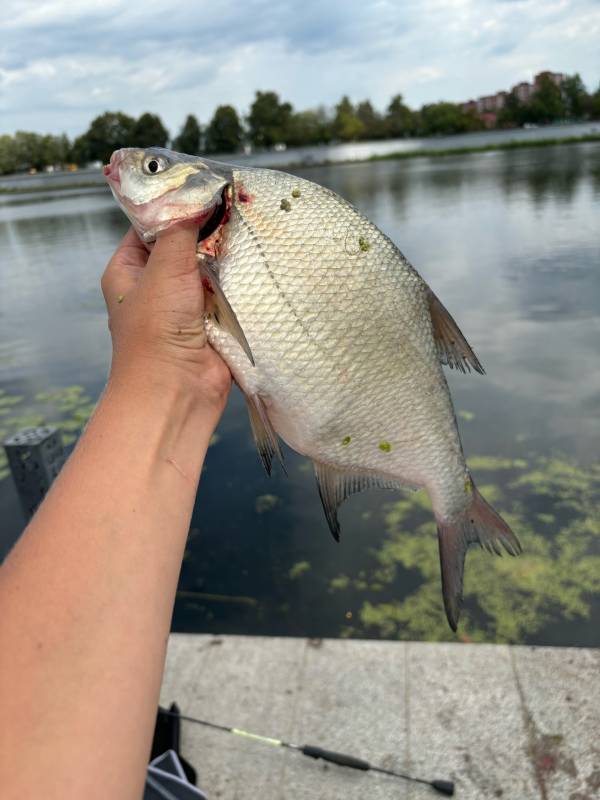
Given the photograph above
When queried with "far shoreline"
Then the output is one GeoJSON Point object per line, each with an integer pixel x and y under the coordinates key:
{"type": "Point", "coordinates": [513, 144]}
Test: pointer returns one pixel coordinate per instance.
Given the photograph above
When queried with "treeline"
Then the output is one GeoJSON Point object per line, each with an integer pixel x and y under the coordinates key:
{"type": "Point", "coordinates": [272, 122]}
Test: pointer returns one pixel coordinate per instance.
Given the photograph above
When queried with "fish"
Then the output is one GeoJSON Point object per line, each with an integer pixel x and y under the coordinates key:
{"type": "Point", "coordinates": [333, 337]}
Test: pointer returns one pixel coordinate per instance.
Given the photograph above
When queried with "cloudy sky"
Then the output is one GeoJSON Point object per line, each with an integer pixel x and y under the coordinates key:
{"type": "Point", "coordinates": [62, 63]}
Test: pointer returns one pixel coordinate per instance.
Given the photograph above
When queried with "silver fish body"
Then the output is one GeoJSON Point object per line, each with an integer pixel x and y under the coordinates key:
{"type": "Point", "coordinates": [339, 325]}
{"type": "Point", "coordinates": [338, 344]}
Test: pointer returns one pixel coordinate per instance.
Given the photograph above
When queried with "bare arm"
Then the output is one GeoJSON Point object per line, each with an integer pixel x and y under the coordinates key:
{"type": "Point", "coordinates": [87, 594]}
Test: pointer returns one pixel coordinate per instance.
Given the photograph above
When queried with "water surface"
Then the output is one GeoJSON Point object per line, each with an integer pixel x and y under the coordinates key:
{"type": "Point", "coordinates": [510, 241]}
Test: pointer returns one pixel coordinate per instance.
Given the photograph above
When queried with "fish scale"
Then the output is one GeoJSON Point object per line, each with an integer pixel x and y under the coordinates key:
{"type": "Point", "coordinates": [342, 329]}
{"type": "Point", "coordinates": [331, 334]}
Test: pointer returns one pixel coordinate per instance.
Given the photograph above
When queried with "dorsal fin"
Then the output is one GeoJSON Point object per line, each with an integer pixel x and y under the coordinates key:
{"type": "Point", "coordinates": [265, 437]}
{"type": "Point", "coordinates": [453, 348]}
{"type": "Point", "coordinates": [335, 485]}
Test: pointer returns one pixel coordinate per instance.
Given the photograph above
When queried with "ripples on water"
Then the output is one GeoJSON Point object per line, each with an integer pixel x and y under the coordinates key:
{"type": "Point", "coordinates": [510, 241]}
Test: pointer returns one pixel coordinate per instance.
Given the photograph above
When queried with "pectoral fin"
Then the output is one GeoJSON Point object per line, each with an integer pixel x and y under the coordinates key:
{"type": "Point", "coordinates": [453, 348]}
{"type": "Point", "coordinates": [265, 437]}
{"type": "Point", "coordinates": [335, 485]}
{"type": "Point", "coordinates": [222, 312]}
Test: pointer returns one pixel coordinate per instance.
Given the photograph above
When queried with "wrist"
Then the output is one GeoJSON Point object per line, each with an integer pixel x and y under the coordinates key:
{"type": "Point", "coordinates": [156, 423]}
{"type": "Point", "coordinates": [184, 391]}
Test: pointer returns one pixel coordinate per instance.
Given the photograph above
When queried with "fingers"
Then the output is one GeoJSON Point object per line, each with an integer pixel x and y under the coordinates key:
{"type": "Point", "coordinates": [125, 267]}
{"type": "Point", "coordinates": [132, 251]}
{"type": "Point", "coordinates": [174, 253]}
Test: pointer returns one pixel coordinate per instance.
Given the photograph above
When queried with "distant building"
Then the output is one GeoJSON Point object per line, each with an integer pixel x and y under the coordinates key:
{"type": "Point", "coordinates": [523, 91]}
{"type": "Point", "coordinates": [501, 100]}
{"type": "Point", "coordinates": [556, 77]}
{"type": "Point", "coordinates": [488, 106]}
{"type": "Point", "coordinates": [491, 102]}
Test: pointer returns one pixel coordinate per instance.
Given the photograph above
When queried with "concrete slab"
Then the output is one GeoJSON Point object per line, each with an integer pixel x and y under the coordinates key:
{"type": "Point", "coordinates": [560, 701]}
{"type": "Point", "coordinates": [510, 723]}
{"type": "Point", "coordinates": [466, 720]}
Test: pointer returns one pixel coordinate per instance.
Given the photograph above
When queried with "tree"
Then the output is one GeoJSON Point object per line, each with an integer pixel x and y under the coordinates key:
{"type": "Point", "coordinates": [399, 119]}
{"type": "Point", "coordinates": [513, 113]}
{"type": "Point", "coordinates": [373, 127]}
{"type": "Point", "coordinates": [595, 104]}
{"type": "Point", "coordinates": [443, 118]}
{"type": "Point", "coordinates": [149, 131]}
{"type": "Point", "coordinates": [547, 104]}
{"type": "Point", "coordinates": [108, 132]}
{"type": "Point", "coordinates": [8, 155]}
{"type": "Point", "coordinates": [188, 140]}
{"type": "Point", "coordinates": [309, 127]}
{"type": "Point", "coordinates": [79, 151]}
{"type": "Point", "coordinates": [268, 121]}
{"type": "Point", "coordinates": [576, 98]}
{"type": "Point", "coordinates": [224, 133]}
{"type": "Point", "coordinates": [346, 125]}
{"type": "Point", "coordinates": [28, 150]}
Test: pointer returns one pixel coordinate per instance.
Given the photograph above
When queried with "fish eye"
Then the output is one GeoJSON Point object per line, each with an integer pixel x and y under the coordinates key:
{"type": "Point", "coordinates": [154, 164]}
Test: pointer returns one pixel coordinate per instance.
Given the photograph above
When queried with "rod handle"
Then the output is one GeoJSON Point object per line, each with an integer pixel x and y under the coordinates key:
{"type": "Point", "coordinates": [444, 787]}
{"type": "Point", "coordinates": [335, 758]}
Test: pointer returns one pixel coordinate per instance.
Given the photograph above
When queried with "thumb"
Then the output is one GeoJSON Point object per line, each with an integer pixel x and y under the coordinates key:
{"type": "Point", "coordinates": [174, 254]}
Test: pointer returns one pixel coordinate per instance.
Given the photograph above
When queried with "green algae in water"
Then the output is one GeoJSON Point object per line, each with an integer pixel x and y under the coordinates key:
{"type": "Point", "coordinates": [298, 569]}
{"type": "Point", "coordinates": [266, 502]}
{"type": "Point", "coordinates": [553, 506]}
{"type": "Point", "coordinates": [67, 408]}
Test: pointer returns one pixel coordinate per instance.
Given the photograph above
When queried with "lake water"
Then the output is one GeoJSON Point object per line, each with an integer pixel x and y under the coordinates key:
{"type": "Point", "coordinates": [511, 243]}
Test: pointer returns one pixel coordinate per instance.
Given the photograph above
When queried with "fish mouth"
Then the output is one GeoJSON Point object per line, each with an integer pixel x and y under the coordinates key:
{"type": "Point", "coordinates": [218, 217]}
{"type": "Point", "coordinates": [111, 170]}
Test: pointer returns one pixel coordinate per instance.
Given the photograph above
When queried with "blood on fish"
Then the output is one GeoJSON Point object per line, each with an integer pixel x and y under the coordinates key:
{"type": "Point", "coordinates": [207, 286]}
{"type": "Point", "coordinates": [244, 197]}
{"type": "Point", "coordinates": [211, 246]}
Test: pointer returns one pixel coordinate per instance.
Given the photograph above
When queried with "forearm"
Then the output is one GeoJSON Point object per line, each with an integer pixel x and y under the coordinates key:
{"type": "Point", "coordinates": [87, 596]}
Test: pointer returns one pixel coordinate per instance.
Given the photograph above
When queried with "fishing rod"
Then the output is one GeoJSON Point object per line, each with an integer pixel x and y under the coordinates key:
{"type": "Point", "coordinates": [313, 751]}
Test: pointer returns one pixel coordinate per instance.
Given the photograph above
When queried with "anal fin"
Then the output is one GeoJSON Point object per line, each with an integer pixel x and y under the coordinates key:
{"type": "Point", "coordinates": [335, 485]}
{"type": "Point", "coordinates": [223, 313]}
{"type": "Point", "coordinates": [265, 437]}
{"type": "Point", "coordinates": [453, 348]}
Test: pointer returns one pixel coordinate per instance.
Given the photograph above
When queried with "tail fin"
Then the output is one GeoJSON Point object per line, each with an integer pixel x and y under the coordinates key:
{"type": "Point", "coordinates": [479, 524]}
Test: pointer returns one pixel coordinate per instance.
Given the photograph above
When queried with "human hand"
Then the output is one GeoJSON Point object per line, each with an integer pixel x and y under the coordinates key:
{"type": "Point", "coordinates": [155, 306]}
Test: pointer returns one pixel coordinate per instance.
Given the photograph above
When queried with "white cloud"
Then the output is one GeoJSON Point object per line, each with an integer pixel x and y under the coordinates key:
{"type": "Point", "coordinates": [64, 62]}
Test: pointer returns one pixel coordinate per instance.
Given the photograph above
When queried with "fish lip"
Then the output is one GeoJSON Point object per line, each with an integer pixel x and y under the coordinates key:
{"type": "Point", "coordinates": [112, 169]}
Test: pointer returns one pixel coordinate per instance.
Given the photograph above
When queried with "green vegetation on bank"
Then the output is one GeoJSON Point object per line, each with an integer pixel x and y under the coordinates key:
{"type": "Point", "coordinates": [515, 144]}
{"type": "Point", "coordinates": [272, 122]}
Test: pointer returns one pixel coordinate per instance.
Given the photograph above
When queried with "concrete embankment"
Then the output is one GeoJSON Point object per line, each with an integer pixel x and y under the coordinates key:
{"type": "Point", "coordinates": [501, 722]}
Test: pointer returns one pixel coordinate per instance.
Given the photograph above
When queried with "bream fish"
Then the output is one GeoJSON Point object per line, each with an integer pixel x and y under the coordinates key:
{"type": "Point", "coordinates": [333, 337]}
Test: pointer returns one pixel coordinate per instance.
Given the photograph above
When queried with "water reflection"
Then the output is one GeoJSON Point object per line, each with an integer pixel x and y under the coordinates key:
{"type": "Point", "coordinates": [510, 241]}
